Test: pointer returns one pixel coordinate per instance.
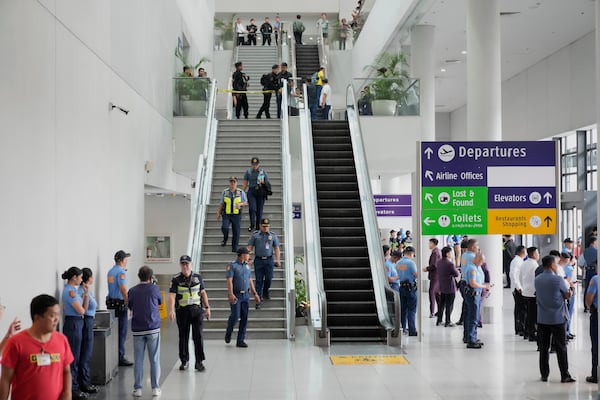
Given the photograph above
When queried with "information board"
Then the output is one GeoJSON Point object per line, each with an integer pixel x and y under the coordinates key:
{"type": "Point", "coordinates": [488, 188]}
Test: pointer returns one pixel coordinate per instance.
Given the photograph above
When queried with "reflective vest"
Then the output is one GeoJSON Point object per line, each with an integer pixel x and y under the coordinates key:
{"type": "Point", "coordinates": [230, 199]}
{"type": "Point", "coordinates": [189, 295]}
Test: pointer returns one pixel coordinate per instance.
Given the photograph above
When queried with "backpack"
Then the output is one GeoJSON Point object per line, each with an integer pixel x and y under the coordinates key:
{"type": "Point", "coordinates": [314, 78]}
{"type": "Point", "coordinates": [264, 80]}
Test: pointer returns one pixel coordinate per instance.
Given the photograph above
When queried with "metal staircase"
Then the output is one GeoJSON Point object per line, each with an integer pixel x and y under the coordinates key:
{"type": "Point", "coordinates": [258, 60]}
{"type": "Point", "coordinates": [236, 143]}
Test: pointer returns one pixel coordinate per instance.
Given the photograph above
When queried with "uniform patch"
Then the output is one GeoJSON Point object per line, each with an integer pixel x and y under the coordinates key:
{"type": "Point", "coordinates": [228, 268]}
{"type": "Point", "coordinates": [122, 276]}
{"type": "Point", "coordinates": [111, 279]}
{"type": "Point", "coordinates": [472, 272]}
{"type": "Point", "coordinates": [72, 293]}
{"type": "Point", "coordinates": [270, 237]}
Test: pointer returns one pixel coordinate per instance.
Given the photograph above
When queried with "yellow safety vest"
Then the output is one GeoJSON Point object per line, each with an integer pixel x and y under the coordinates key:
{"type": "Point", "coordinates": [189, 295]}
{"type": "Point", "coordinates": [229, 205]}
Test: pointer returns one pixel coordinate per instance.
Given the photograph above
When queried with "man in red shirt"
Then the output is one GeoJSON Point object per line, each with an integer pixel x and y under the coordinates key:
{"type": "Point", "coordinates": [36, 361]}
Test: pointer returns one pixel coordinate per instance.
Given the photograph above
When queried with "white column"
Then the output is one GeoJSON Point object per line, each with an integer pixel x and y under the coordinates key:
{"type": "Point", "coordinates": [598, 107]}
{"type": "Point", "coordinates": [484, 118]}
{"type": "Point", "coordinates": [423, 67]}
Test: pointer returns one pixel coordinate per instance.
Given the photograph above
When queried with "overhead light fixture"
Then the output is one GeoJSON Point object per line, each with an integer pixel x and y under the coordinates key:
{"type": "Point", "coordinates": [452, 61]}
{"type": "Point", "coordinates": [463, 52]}
{"type": "Point", "coordinates": [443, 70]}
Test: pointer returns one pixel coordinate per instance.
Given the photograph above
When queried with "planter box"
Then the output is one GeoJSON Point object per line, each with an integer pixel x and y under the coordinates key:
{"type": "Point", "coordinates": [384, 107]}
{"type": "Point", "coordinates": [194, 108]}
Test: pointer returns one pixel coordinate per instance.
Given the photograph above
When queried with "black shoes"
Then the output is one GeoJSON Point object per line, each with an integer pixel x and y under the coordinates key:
{"type": "Point", "coordinates": [250, 228]}
{"type": "Point", "coordinates": [89, 388]}
{"type": "Point", "coordinates": [125, 363]}
{"type": "Point", "coordinates": [474, 345]}
{"type": "Point", "coordinates": [591, 379]}
{"type": "Point", "coordinates": [227, 338]}
{"type": "Point", "coordinates": [449, 325]}
{"type": "Point", "coordinates": [183, 366]}
{"type": "Point", "coordinates": [570, 336]}
{"type": "Point", "coordinates": [438, 323]}
{"type": "Point", "coordinates": [412, 334]}
{"type": "Point", "coordinates": [241, 344]}
{"type": "Point", "coordinates": [257, 306]}
{"type": "Point", "coordinates": [544, 379]}
{"type": "Point", "coordinates": [78, 395]}
{"type": "Point", "coordinates": [224, 243]}
{"type": "Point", "coordinates": [200, 367]}
{"type": "Point", "coordinates": [567, 379]}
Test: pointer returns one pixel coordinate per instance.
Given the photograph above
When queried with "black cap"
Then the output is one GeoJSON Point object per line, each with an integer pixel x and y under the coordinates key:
{"type": "Point", "coordinates": [265, 221]}
{"type": "Point", "coordinates": [409, 249]}
{"type": "Point", "coordinates": [121, 255]}
{"type": "Point", "coordinates": [255, 160]}
{"type": "Point", "coordinates": [565, 255]}
{"type": "Point", "coordinates": [232, 178]}
{"type": "Point", "coordinates": [568, 240]}
{"type": "Point", "coordinates": [242, 250]}
{"type": "Point", "coordinates": [396, 254]}
{"type": "Point", "coordinates": [275, 66]}
{"type": "Point", "coordinates": [185, 259]}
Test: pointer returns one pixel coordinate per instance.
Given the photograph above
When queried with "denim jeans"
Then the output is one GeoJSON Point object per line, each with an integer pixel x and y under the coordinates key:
{"type": "Point", "coordinates": [152, 342]}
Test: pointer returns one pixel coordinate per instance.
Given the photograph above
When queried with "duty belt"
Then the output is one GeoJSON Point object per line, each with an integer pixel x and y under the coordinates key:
{"type": "Point", "coordinates": [242, 291]}
{"type": "Point", "coordinates": [264, 258]}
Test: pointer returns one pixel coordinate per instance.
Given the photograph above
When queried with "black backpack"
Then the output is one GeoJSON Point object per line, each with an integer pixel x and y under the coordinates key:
{"type": "Point", "coordinates": [264, 80]}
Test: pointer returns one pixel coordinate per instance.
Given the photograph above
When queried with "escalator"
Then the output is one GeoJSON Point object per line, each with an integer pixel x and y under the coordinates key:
{"type": "Point", "coordinates": [351, 314]}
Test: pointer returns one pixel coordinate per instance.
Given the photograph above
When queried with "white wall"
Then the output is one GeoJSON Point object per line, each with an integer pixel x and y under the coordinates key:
{"type": "Point", "coordinates": [168, 215]}
{"type": "Point", "coordinates": [72, 171]}
{"type": "Point", "coordinates": [555, 95]}
{"type": "Point", "coordinates": [443, 129]}
{"type": "Point", "coordinates": [267, 7]}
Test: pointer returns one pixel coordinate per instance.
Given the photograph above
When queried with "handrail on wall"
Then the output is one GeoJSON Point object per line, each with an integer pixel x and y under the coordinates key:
{"type": "Point", "coordinates": [288, 229]}
{"type": "Point", "coordinates": [312, 238]}
{"type": "Point", "coordinates": [381, 285]}
{"type": "Point", "coordinates": [201, 194]}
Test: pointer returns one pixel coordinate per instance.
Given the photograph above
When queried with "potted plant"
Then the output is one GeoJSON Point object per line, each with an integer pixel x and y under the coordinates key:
{"type": "Point", "coordinates": [388, 88]}
{"type": "Point", "coordinates": [192, 92]}
{"type": "Point", "coordinates": [226, 29]}
{"type": "Point", "coordinates": [300, 288]}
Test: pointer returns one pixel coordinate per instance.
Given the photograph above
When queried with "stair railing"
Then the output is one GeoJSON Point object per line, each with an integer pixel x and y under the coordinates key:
{"type": "Point", "coordinates": [323, 48]}
{"type": "Point", "coordinates": [202, 186]}
{"type": "Point", "coordinates": [386, 299]}
{"type": "Point", "coordinates": [312, 236]}
{"type": "Point", "coordinates": [288, 228]}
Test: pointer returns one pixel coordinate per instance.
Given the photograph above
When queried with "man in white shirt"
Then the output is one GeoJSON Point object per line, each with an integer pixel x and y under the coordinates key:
{"type": "Point", "coordinates": [325, 99]}
{"type": "Point", "coordinates": [515, 285]}
{"type": "Point", "coordinates": [527, 280]}
{"type": "Point", "coordinates": [240, 30]}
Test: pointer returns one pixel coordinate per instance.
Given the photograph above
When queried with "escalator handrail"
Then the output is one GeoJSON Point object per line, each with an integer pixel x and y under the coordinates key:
{"type": "Point", "coordinates": [202, 187]}
{"type": "Point", "coordinates": [323, 49]}
{"type": "Point", "coordinates": [288, 229]}
{"type": "Point", "coordinates": [380, 282]}
{"type": "Point", "coordinates": [312, 237]}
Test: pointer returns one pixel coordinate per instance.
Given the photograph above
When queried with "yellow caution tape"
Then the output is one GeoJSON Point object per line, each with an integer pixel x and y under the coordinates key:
{"type": "Point", "coordinates": [244, 91]}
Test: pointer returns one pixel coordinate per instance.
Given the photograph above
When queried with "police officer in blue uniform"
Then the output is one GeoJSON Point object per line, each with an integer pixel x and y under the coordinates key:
{"type": "Point", "coordinates": [239, 287]}
{"type": "Point", "coordinates": [117, 300]}
{"type": "Point", "coordinates": [407, 274]}
{"type": "Point", "coordinates": [265, 244]}
{"type": "Point", "coordinates": [591, 300]}
{"type": "Point", "coordinates": [391, 271]}
{"type": "Point", "coordinates": [475, 279]}
{"type": "Point", "coordinates": [255, 180]}
{"type": "Point", "coordinates": [75, 304]}
{"type": "Point", "coordinates": [230, 210]}
{"type": "Point", "coordinates": [87, 340]}
{"type": "Point", "coordinates": [188, 303]}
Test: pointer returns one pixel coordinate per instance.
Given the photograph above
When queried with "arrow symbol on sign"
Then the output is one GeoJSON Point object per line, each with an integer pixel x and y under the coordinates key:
{"type": "Point", "coordinates": [429, 175]}
{"type": "Point", "coordinates": [547, 220]}
{"type": "Point", "coordinates": [547, 197]}
{"type": "Point", "coordinates": [428, 153]}
{"type": "Point", "coordinates": [428, 221]}
{"type": "Point", "coordinates": [429, 197]}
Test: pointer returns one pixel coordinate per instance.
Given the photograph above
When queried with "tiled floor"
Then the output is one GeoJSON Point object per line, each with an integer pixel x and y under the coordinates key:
{"type": "Point", "coordinates": [439, 368]}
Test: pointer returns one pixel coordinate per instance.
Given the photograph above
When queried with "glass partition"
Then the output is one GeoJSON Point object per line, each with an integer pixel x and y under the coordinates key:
{"type": "Point", "coordinates": [387, 96]}
{"type": "Point", "coordinates": [191, 96]}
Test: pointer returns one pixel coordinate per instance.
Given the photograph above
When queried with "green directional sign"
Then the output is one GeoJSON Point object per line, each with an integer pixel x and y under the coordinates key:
{"type": "Point", "coordinates": [447, 222]}
{"type": "Point", "coordinates": [454, 198]}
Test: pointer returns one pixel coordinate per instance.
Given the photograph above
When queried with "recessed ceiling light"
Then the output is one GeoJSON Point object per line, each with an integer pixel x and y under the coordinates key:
{"type": "Point", "coordinates": [452, 61]}
{"type": "Point", "coordinates": [443, 70]}
{"type": "Point", "coordinates": [463, 52]}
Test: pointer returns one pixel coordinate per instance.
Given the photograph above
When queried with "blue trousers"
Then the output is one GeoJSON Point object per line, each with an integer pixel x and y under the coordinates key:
{"type": "Point", "coordinates": [472, 316]}
{"type": "Point", "coordinates": [256, 202]}
{"type": "Point", "coordinates": [326, 112]}
{"type": "Point", "coordinates": [263, 270]}
{"type": "Point", "coordinates": [239, 310]}
{"type": "Point", "coordinates": [408, 308]}
{"type": "Point", "coordinates": [571, 307]}
{"type": "Point", "coordinates": [234, 220]}
{"type": "Point", "coordinates": [87, 346]}
{"type": "Point", "coordinates": [594, 339]}
{"type": "Point", "coordinates": [72, 328]}
{"type": "Point", "coordinates": [122, 319]}
{"type": "Point", "coordinates": [589, 274]}
{"type": "Point", "coordinates": [313, 111]}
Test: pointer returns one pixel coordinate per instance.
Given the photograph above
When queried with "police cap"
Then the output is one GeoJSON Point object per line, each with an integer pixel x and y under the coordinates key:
{"type": "Point", "coordinates": [568, 240]}
{"type": "Point", "coordinates": [232, 178]}
{"type": "Point", "coordinates": [185, 259]}
{"type": "Point", "coordinates": [255, 160]}
{"type": "Point", "coordinates": [242, 250]}
{"type": "Point", "coordinates": [265, 221]}
{"type": "Point", "coordinates": [396, 254]}
{"type": "Point", "coordinates": [121, 255]}
{"type": "Point", "coordinates": [409, 249]}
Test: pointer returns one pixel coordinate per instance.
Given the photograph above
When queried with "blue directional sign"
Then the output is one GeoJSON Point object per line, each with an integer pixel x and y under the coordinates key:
{"type": "Point", "coordinates": [488, 187]}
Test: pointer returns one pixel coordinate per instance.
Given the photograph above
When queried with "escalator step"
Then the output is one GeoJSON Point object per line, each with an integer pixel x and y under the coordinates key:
{"type": "Point", "coordinates": [346, 221]}
{"type": "Point", "coordinates": [334, 162]}
{"type": "Point", "coordinates": [351, 333]}
{"type": "Point", "coordinates": [339, 203]}
{"type": "Point", "coordinates": [347, 284]}
{"type": "Point", "coordinates": [343, 170]}
{"type": "Point", "coordinates": [355, 319]}
{"type": "Point", "coordinates": [350, 306]}
{"type": "Point", "coordinates": [344, 241]}
{"type": "Point", "coordinates": [344, 186]}
{"type": "Point", "coordinates": [325, 178]}
{"type": "Point", "coordinates": [337, 194]}
{"type": "Point", "coordinates": [325, 212]}
{"type": "Point", "coordinates": [340, 273]}
{"type": "Point", "coordinates": [356, 295]}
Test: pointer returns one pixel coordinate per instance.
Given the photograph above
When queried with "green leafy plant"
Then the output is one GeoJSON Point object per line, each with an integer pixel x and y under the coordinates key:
{"type": "Point", "coordinates": [189, 88]}
{"type": "Point", "coordinates": [225, 27]}
{"type": "Point", "coordinates": [300, 286]}
{"type": "Point", "coordinates": [391, 77]}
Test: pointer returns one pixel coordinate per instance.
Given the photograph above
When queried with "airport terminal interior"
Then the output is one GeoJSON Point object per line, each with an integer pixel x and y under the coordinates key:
{"type": "Point", "coordinates": [124, 125]}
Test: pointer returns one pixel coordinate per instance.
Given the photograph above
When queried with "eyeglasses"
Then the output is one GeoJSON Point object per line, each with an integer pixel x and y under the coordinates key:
{"type": "Point", "coordinates": [2, 308]}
